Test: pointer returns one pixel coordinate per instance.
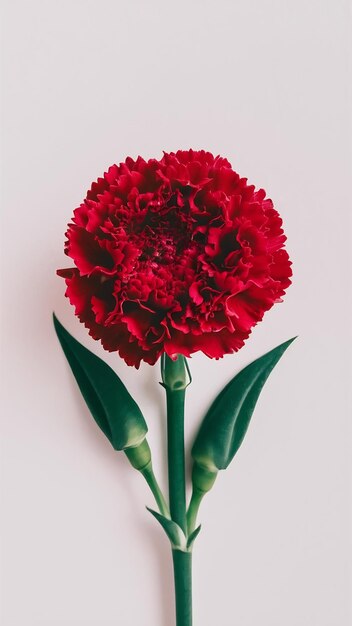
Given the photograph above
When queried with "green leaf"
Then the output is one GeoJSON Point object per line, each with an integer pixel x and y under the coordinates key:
{"type": "Point", "coordinates": [224, 426]}
{"type": "Point", "coordinates": [192, 537]}
{"type": "Point", "coordinates": [173, 530]}
{"type": "Point", "coordinates": [108, 400]}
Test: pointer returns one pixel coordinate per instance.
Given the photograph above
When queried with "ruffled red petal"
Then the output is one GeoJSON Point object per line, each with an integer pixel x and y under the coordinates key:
{"type": "Point", "coordinates": [178, 255]}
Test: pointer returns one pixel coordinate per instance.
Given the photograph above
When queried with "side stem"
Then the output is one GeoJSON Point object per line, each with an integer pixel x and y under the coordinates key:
{"type": "Point", "coordinates": [140, 458]}
{"type": "Point", "coordinates": [149, 475]}
{"type": "Point", "coordinates": [193, 509]}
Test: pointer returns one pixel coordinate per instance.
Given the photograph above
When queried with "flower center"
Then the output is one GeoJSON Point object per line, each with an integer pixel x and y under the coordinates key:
{"type": "Point", "coordinates": [162, 236]}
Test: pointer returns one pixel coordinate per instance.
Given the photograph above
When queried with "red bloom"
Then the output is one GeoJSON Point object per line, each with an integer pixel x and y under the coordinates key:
{"type": "Point", "coordinates": [176, 255]}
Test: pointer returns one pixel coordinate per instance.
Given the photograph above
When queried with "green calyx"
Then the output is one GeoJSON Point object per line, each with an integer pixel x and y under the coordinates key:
{"type": "Point", "coordinates": [175, 373]}
{"type": "Point", "coordinates": [139, 456]}
{"type": "Point", "coordinates": [203, 478]}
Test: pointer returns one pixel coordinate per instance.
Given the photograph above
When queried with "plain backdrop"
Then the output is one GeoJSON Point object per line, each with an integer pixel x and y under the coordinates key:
{"type": "Point", "coordinates": [264, 83]}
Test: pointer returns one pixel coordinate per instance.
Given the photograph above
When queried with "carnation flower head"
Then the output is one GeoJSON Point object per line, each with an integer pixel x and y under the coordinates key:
{"type": "Point", "coordinates": [176, 255]}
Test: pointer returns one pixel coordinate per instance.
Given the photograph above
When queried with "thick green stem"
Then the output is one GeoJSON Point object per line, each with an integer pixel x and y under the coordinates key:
{"type": "Point", "coordinates": [183, 587]}
{"type": "Point", "coordinates": [177, 492]}
{"type": "Point", "coordinates": [176, 456]}
{"type": "Point", "coordinates": [157, 493]}
{"type": "Point", "coordinates": [175, 377]}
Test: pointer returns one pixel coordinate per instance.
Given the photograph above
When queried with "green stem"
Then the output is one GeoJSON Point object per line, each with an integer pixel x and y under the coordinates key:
{"type": "Point", "coordinates": [140, 458]}
{"type": "Point", "coordinates": [193, 509]}
{"type": "Point", "coordinates": [149, 475]}
{"type": "Point", "coordinates": [183, 587]}
{"type": "Point", "coordinates": [176, 455]}
{"type": "Point", "coordinates": [176, 377]}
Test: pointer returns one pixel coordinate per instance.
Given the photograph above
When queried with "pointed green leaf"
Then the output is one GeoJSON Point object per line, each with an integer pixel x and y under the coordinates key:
{"type": "Point", "coordinates": [108, 400]}
{"type": "Point", "coordinates": [173, 531]}
{"type": "Point", "coordinates": [192, 537]}
{"type": "Point", "coordinates": [225, 425]}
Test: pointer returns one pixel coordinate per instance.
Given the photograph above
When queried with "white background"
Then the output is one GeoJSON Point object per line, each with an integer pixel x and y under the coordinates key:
{"type": "Point", "coordinates": [263, 83]}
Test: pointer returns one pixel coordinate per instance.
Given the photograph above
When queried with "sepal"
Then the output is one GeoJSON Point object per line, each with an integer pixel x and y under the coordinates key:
{"type": "Point", "coordinates": [175, 373]}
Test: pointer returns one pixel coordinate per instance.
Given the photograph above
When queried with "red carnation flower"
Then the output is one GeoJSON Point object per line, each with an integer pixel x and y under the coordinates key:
{"type": "Point", "coordinates": [176, 255]}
